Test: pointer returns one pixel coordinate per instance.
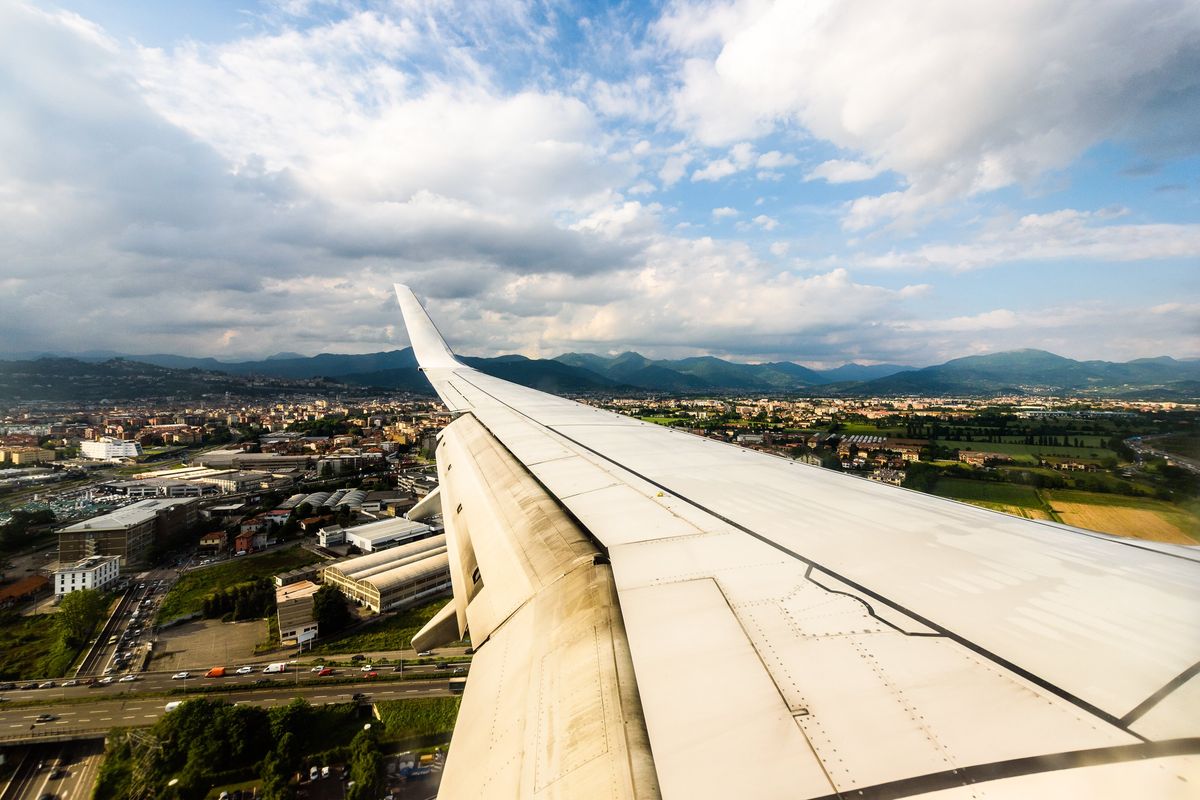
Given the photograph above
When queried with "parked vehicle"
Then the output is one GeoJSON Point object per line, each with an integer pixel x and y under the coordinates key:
{"type": "Point", "coordinates": [313, 773]}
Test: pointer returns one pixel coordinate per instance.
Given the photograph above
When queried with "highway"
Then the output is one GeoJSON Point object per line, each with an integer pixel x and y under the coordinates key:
{"type": "Point", "coordinates": [67, 771]}
{"type": "Point", "coordinates": [134, 709]}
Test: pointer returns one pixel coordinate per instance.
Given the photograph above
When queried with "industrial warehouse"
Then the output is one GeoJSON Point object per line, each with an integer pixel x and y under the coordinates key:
{"type": "Point", "coordinates": [393, 578]}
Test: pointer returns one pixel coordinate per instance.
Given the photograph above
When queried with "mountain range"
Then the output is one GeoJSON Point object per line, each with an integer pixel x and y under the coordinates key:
{"type": "Point", "coordinates": [1014, 372]}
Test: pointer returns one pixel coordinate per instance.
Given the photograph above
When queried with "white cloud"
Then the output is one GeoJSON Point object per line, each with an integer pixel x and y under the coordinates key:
{"type": "Point", "coordinates": [740, 157]}
{"type": "Point", "coordinates": [766, 223]}
{"type": "Point", "coordinates": [1058, 235]}
{"type": "Point", "coordinates": [957, 98]}
{"type": "Point", "coordinates": [674, 168]}
{"type": "Point", "coordinates": [642, 187]}
{"type": "Point", "coordinates": [775, 159]}
{"type": "Point", "coordinates": [724, 212]}
{"type": "Point", "coordinates": [780, 249]}
{"type": "Point", "coordinates": [838, 171]}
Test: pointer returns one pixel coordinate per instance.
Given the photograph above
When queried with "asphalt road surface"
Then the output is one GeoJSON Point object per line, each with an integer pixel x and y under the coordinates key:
{"type": "Point", "coordinates": [67, 771]}
{"type": "Point", "coordinates": [134, 709]}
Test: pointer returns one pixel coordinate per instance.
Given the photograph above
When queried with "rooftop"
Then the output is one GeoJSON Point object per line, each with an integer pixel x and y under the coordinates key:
{"type": "Point", "coordinates": [130, 515]}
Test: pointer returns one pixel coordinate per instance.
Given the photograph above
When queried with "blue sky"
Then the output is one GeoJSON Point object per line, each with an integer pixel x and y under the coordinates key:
{"type": "Point", "coordinates": [815, 181]}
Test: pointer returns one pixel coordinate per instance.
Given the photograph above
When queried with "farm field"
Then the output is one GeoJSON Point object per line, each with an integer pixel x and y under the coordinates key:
{"type": "Point", "coordinates": [187, 596]}
{"type": "Point", "coordinates": [1027, 453]}
{"type": "Point", "coordinates": [1008, 494]}
{"type": "Point", "coordinates": [1141, 518]}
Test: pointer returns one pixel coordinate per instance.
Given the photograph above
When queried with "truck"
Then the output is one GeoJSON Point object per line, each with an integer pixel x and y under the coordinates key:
{"type": "Point", "coordinates": [215, 672]}
{"type": "Point", "coordinates": [457, 685]}
{"type": "Point", "coordinates": [274, 668]}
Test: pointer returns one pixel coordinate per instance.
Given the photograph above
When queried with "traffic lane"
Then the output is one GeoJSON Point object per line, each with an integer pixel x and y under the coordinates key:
{"type": "Point", "coordinates": [81, 768]}
{"type": "Point", "coordinates": [132, 711]}
{"type": "Point", "coordinates": [164, 681]}
{"type": "Point", "coordinates": [33, 783]}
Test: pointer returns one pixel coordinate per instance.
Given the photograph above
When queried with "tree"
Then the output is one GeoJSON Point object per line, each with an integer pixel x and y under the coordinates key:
{"type": "Point", "coordinates": [366, 767]}
{"type": "Point", "coordinates": [78, 615]}
{"type": "Point", "coordinates": [329, 609]}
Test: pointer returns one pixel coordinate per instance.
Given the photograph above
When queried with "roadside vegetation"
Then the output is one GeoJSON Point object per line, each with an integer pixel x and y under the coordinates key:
{"type": "Point", "coordinates": [46, 645]}
{"type": "Point", "coordinates": [392, 631]}
{"type": "Point", "coordinates": [188, 595]}
{"type": "Point", "coordinates": [206, 744]}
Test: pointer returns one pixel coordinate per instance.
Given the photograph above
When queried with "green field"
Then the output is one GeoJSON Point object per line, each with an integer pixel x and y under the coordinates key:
{"type": "Point", "coordinates": [868, 429]}
{"type": "Point", "coordinates": [29, 647]}
{"type": "Point", "coordinates": [1027, 453]}
{"type": "Point", "coordinates": [187, 596]}
{"type": "Point", "coordinates": [424, 716]}
{"type": "Point", "coordinates": [391, 632]}
{"type": "Point", "coordinates": [1009, 494]}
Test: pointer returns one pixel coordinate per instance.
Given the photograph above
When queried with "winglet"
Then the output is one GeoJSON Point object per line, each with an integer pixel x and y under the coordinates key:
{"type": "Point", "coordinates": [430, 348]}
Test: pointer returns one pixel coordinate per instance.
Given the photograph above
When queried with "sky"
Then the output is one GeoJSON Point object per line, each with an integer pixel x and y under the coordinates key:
{"type": "Point", "coordinates": [821, 181]}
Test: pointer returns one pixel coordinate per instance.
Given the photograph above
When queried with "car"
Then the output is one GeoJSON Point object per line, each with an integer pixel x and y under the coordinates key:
{"type": "Point", "coordinates": [181, 676]}
{"type": "Point", "coordinates": [7, 687]}
{"type": "Point", "coordinates": [358, 696]}
{"type": "Point", "coordinates": [105, 681]}
{"type": "Point", "coordinates": [263, 682]}
{"type": "Point", "coordinates": [127, 678]}
{"type": "Point", "coordinates": [46, 685]}
{"type": "Point", "coordinates": [70, 683]}
{"type": "Point", "coordinates": [399, 667]}
{"type": "Point", "coordinates": [365, 668]}
{"type": "Point", "coordinates": [442, 665]}
{"type": "Point", "coordinates": [313, 773]}
{"type": "Point", "coordinates": [357, 658]}
{"type": "Point", "coordinates": [108, 670]}
{"type": "Point", "coordinates": [31, 685]}
{"type": "Point", "coordinates": [58, 774]}
{"type": "Point", "coordinates": [425, 654]}
{"type": "Point", "coordinates": [324, 672]}
{"type": "Point", "coordinates": [371, 674]}
{"type": "Point", "coordinates": [45, 718]}
{"type": "Point", "coordinates": [244, 670]}
{"type": "Point", "coordinates": [324, 772]}
{"type": "Point", "coordinates": [317, 668]}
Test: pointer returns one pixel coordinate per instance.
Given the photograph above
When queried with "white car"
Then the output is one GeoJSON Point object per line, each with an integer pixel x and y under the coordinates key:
{"type": "Point", "coordinates": [69, 683]}
{"type": "Point", "coordinates": [244, 670]}
{"type": "Point", "coordinates": [366, 668]}
{"type": "Point", "coordinates": [105, 681]}
{"type": "Point", "coordinates": [317, 668]}
{"type": "Point", "coordinates": [127, 679]}
{"type": "Point", "coordinates": [181, 676]}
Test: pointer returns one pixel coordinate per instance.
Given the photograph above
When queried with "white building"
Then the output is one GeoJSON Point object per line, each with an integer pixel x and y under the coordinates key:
{"type": "Point", "coordinates": [386, 533]}
{"type": "Point", "coordinates": [107, 449]}
{"type": "Point", "coordinates": [294, 607]}
{"type": "Point", "coordinates": [93, 572]}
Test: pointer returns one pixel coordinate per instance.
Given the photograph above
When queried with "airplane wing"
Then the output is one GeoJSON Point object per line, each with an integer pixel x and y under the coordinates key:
{"type": "Point", "coordinates": [660, 614]}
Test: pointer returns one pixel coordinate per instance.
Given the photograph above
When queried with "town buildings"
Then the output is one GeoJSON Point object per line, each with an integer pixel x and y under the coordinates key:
{"type": "Point", "coordinates": [129, 533]}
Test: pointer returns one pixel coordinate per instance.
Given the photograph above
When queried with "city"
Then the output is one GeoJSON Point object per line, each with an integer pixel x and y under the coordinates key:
{"type": "Point", "coordinates": [689, 399]}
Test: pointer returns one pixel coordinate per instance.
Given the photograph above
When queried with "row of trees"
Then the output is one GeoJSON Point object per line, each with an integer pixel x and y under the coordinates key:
{"type": "Point", "coordinates": [16, 532]}
{"type": "Point", "coordinates": [251, 600]}
{"type": "Point", "coordinates": [208, 742]}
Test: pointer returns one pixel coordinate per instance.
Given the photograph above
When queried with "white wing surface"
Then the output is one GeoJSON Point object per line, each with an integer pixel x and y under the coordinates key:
{"type": "Point", "coordinates": [794, 632]}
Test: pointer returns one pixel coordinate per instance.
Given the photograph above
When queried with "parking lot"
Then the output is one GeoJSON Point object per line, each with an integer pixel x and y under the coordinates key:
{"type": "Point", "coordinates": [204, 643]}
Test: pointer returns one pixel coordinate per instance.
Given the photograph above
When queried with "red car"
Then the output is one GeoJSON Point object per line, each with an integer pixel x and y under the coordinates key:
{"type": "Point", "coordinates": [324, 672]}
{"type": "Point", "coordinates": [372, 674]}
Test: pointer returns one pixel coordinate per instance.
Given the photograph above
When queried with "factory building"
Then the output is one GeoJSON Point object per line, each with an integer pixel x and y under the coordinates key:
{"type": "Point", "coordinates": [385, 533]}
{"type": "Point", "coordinates": [395, 578]}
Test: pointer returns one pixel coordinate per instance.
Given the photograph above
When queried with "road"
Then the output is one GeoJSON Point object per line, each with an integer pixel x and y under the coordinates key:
{"type": "Point", "coordinates": [67, 771]}
{"type": "Point", "coordinates": [139, 708]}
{"type": "Point", "coordinates": [1144, 446]}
